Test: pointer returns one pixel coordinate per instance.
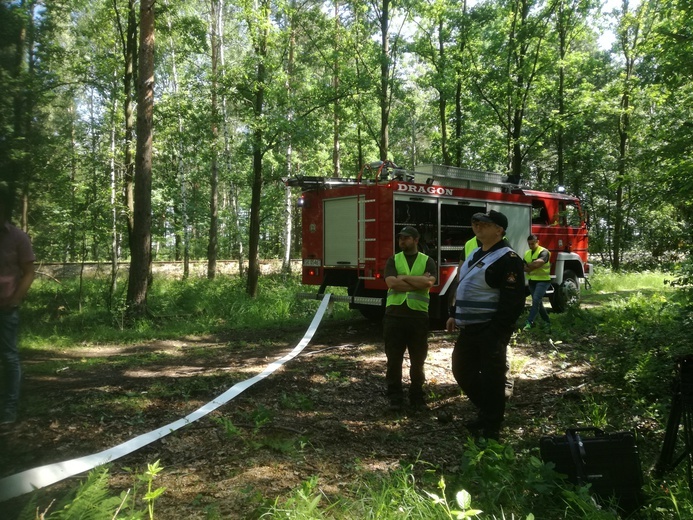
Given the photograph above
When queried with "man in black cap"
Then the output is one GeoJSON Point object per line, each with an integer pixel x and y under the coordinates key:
{"type": "Point", "coordinates": [489, 299]}
{"type": "Point", "coordinates": [409, 276]}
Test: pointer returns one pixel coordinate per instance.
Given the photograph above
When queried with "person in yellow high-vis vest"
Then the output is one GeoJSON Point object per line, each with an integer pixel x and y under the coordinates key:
{"type": "Point", "coordinates": [538, 273]}
{"type": "Point", "coordinates": [469, 247]}
{"type": "Point", "coordinates": [409, 275]}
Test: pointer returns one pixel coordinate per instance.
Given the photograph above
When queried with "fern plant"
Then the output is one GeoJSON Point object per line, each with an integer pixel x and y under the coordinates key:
{"type": "Point", "coordinates": [92, 500]}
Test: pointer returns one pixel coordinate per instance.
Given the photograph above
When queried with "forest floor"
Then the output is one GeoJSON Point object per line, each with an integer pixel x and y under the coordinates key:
{"type": "Point", "coordinates": [322, 414]}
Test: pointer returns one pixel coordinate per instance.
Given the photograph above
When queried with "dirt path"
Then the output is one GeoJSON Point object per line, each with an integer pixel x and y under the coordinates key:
{"type": "Point", "coordinates": [322, 414]}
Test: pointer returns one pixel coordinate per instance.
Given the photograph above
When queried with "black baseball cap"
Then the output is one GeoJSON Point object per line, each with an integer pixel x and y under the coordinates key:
{"type": "Point", "coordinates": [492, 217]}
{"type": "Point", "coordinates": [409, 231]}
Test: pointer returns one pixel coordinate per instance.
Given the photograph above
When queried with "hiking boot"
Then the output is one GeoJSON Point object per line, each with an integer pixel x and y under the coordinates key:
{"type": "Point", "coordinates": [474, 426]}
{"type": "Point", "coordinates": [395, 405]}
{"type": "Point", "coordinates": [509, 388]}
{"type": "Point", "coordinates": [418, 404]}
{"type": "Point", "coordinates": [490, 434]}
{"type": "Point", "coordinates": [8, 418]}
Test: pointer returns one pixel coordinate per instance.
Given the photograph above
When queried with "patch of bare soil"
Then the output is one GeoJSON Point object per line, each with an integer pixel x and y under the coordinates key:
{"type": "Point", "coordinates": [322, 414]}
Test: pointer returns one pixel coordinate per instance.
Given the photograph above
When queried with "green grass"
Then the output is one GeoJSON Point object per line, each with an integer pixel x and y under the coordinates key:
{"type": "Point", "coordinates": [606, 280]}
{"type": "Point", "coordinates": [629, 333]}
{"type": "Point", "coordinates": [58, 314]}
{"type": "Point", "coordinates": [606, 286]}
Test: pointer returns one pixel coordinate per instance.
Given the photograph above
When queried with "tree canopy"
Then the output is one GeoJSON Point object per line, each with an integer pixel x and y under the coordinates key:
{"type": "Point", "coordinates": [249, 92]}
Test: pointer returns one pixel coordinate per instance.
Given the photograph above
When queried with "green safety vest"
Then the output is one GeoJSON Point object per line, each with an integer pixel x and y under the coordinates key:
{"type": "Point", "coordinates": [544, 272]}
{"type": "Point", "coordinates": [416, 300]}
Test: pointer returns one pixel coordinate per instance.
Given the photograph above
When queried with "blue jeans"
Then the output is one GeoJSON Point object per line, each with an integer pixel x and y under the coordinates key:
{"type": "Point", "coordinates": [9, 357]}
{"type": "Point", "coordinates": [538, 289]}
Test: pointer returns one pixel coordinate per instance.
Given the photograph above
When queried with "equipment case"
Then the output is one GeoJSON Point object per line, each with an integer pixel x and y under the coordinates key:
{"type": "Point", "coordinates": [609, 462]}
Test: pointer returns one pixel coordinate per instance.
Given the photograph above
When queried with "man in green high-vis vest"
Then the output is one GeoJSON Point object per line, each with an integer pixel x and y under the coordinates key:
{"type": "Point", "coordinates": [538, 273]}
{"type": "Point", "coordinates": [409, 276]}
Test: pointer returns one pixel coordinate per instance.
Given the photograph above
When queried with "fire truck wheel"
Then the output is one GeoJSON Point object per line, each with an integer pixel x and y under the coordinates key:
{"type": "Point", "coordinates": [567, 294]}
{"type": "Point", "coordinates": [372, 313]}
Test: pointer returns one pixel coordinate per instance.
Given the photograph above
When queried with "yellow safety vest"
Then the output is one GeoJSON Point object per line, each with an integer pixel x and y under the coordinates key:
{"type": "Point", "coordinates": [416, 300]}
{"type": "Point", "coordinates": [469, 247]}
{"type": "Point", "coordinates": [543, 273]}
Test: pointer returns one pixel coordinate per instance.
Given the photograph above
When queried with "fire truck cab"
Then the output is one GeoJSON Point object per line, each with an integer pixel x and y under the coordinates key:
{"type": "Point", "coordinates": [350, 229]}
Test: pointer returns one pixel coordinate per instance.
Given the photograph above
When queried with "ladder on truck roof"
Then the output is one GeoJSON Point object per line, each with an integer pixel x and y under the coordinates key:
{"type": "Point", "coordinates": [431, 174]}
{"type": "Point", "coordinates": [438, 174]}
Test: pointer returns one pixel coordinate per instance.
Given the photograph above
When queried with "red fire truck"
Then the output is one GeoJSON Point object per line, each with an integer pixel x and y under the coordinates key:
{"type": "Point", "coordinates": [350, 229]}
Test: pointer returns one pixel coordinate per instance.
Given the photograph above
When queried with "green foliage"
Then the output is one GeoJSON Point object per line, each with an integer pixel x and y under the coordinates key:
{"type": "Point", "coordinates": [472, 84]}
{"type": "Point", "coordinates": [296, 401]}
{"type": "Point", "coordinates": [631, 340]}
{"type": "Point", "coordinates": [303, 504]}
{"type": "Point", "coordinates": [504, 488]}
{"type": "Point", "coordinates": [683, 278]}
{"type": "Point", "coordinates": [627, 345]}
{"type": "Point", "coordinates": [92, 500]}
{"type": "Point", "coordinates": [66, 313]}
{"type": "Point", "coordinates": [152, 493]}
{"type": "Point", "coordinates": [462, 498]}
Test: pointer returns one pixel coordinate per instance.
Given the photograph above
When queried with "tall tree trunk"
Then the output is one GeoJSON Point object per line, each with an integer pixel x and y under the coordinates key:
{"type": "Point", "coordinates": [71, 252]}
{"type": "Point", "coordinates": [562, 51]}
{"type": "Point", "coordinates": [623, 138]}
{"type": "Point", "coordinates": [23, 68]}
{"type": "Point", "coordinates": [359, 137]}
{"type": "Point", "coordinates": [182, 236]}
{"type": "Point", "coordinates": [458, 123]}
{"type": "Point", "coordinates": [233, 188]}
{"type": "Point", "coordinates": [516, 162]}
{"type": "Point", "coordinates": [462, 42]}
{"type": "Point", "coordinates": [288, 230]}
{"type": "Point", "coordinates": [442, 99]}
{"type": "Point", "coordinates": [336, 154]}
{"type": "Point", "coordinates": [129, 45]}
{"type": "Point", "coordinates": [631, 29]}
{"type": "Point", "coordinates": [140, 261]}
{"type": "Point", "coordinates": [113, 182]}
{"type": "Point", "coordinates": [384, 80]}
{"type": "Point", "coordinates": [256, 195]}
{"type": "Point", "coordinates": [258, 152]}
{"type": "Point", "coordinates": [288, 214]}
{"type": "Point", "coordinates": [17, 164]}
{"type": "Point", "coordinates": [128, 42]}
{"type": "Point", "coordinates": [214, 174]}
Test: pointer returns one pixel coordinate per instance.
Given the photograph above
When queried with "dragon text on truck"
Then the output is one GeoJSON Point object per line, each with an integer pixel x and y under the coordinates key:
{"type": "Point", "coordinates": [350, 229]}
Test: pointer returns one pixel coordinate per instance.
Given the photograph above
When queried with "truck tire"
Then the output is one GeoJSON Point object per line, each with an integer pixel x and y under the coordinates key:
{"type": "Point", "coordinates": [370, 312]}
{"type": "Point", "coordinates": [567, 294]}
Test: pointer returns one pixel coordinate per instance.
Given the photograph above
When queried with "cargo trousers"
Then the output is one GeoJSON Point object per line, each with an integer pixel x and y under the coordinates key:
{"type": "Point", "coordinates": [402, 334]}
{"type": "Point", "coordinates": [479, 367]}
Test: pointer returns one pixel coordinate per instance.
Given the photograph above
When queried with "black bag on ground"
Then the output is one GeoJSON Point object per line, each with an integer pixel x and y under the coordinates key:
{"type": "Point", "coordinates": [608, 461]}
